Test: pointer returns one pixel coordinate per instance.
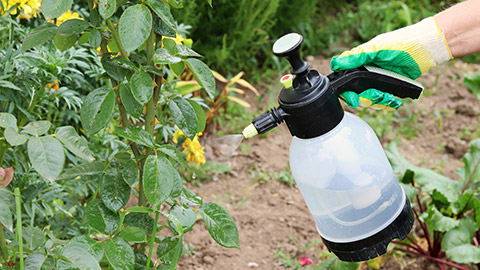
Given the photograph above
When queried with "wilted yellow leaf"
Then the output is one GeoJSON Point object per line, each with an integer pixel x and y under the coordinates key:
{"type": "Point", "coordinates": [247, 85]}
{"type": "Point", "coordinates": [219, 77]}
{"type": "Point", "coordinates": [239, 101]}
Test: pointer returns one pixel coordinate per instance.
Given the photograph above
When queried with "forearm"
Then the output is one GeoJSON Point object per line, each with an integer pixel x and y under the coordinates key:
{"type": "Point", "coordinates": [461, 27]}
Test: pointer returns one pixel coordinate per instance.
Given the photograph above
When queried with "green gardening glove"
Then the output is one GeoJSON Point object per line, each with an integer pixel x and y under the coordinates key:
{"type": "Point", "coordinates": [409, 51]}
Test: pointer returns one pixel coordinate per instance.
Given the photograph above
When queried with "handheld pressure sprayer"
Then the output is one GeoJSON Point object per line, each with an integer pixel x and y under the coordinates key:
{"type": "Point", "coordinates": [336, 159]}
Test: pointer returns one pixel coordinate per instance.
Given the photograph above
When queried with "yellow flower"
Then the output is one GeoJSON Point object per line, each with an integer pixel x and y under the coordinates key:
{"type": "Point", "coordinates": [53, 86]}
{"type": "Point", "coordinates": [179, 39]}
{"type": "Point", "coordinates": [192, 148]}
{"type": "Point", "coordinates": [68, 15]}
{"type": "Point", "coordinates": [25, 9]}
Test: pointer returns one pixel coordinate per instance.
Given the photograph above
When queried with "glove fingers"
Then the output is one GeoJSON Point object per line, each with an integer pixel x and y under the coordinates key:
{"type": "Point", "coordinates": [380, 100]}
{"type": "Point", "coordinates": [351, 98]}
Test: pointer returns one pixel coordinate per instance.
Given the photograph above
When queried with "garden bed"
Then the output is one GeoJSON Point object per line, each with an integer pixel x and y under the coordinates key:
{"type": "Point", "coordinates": [274, 224]}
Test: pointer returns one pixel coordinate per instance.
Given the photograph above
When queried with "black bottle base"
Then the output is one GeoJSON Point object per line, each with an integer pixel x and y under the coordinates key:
{"type": "Point", "coordinates": [375, 245]}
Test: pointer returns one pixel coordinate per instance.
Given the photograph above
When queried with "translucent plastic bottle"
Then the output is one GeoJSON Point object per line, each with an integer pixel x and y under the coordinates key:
{"type": "Point", "coordinates": [347, 181]}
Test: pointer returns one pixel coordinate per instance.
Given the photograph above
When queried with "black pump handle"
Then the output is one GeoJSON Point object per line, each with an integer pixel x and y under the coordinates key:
{"type": "Point", "coordinates": [367, 77]}
{"type": "Point", "coordinates": [288, 46]}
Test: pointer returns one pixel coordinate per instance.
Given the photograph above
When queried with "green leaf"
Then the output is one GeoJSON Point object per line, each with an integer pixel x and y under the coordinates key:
{"type": "Point", "coordinates": [137, 135]}
{"type": "Point", "coordinates": [185, 215]}
{"type": "Point", "coordinates": [47, 156]}
{"type": "Point", "coordinates": [202, 75]}
{"type": "Point", "coordinates": [142, 86]}
{"type": "Point", "coordinates": [8, 120]}
{"type": "Point", "coordinates": [472, 82]}
{"type": "Point", "coordinates": [107, 8]}
{"type": "Point", "coordinates": [97, 110]}
{"type": "Point", "coordinates": [113, 68]}
{"type": "Point", "coordinates": [139, 209]}
{"type": "Point", "coordinates": [131, 105]}
{"type": "Point", "coordinates": [140, 220]}
{"type": "Point", "coordinates": [85, 169]}
{"type": "Point", "coordinates": [72, 27]}
{"type": "Point", "coordinates": [35, 260]}
{"type": "Point", "coordinates": [162, 56]}
{"type": "Point", "coordinates": [64, 43]}
{"type": "Point", "coordinates": [201, 120]}
{"type": "Point", "coordinates": [178, 69]}
{"type": "Point", "coordinates": [163, 12]}
{"type": "Point", "coordinates": [220, 225]}
{"type": "Point", "coordinates": [184, 115]}
{"type": "Point", "coordinates": [101, 218]}
{"type": "Point", "coordinates": [39, 35]}
{"type": "Point", "coordinates": [170, 45]}
{"type": "Point", "coordinates": [74, 143]}
{"type": "Point", "coordinates": [95, 38]}
{"type": "Point", "coordinates": [54, 8]}
{"type": "Point", "coordinates": [7, 84]}
{"type": "Point", "coordinates": [130, 173]}
{"type": "Point", "coordinates": [439, 222]}
{"type": "Point", "coordinates": [134, 234]}
{"type": "Point", "coordinates": [177, 186]}
{"type": "Point", "coordinates": [333, 263]}
{"type": "Point", "coordinates": [84, 38]}
{"type": "Point", "coordinates": [465, 253]}
{"type": "Point", "coordinates": [134, 27]}
{"type": "Point", "coordinates": [34, 237]}
{"type": "Point", "coordinates": [37, 128]}
{"type": "Point", "coordinates": [84, 242]}
{"type": "Point", "coordinates": [189, 198]}
{"type": "Point", "coordinates": [471, 170]}
{"type": "Point", "coordinates": [176, 3]}
{"type": "Point", "coordinates": [158, 179]}
{"type": "Point", "coordinates": [463, 234]}
{"type": "Point", "coordinates": [80, 258]}
{"type": "Point", "coordinates": [115, 192]}
{"type": "Point", "coordinates": [161, 28]}
{"type": "Point", "coordinates": [427, 179]}
{"type": "Point", "coordinates": [13, 137]}
{"type": "Point", "coordinates": [169, 250]}
{"type": "Point", "coordinates": [186, 52]}
{"type": "Point", "coordinates": [119, 254]}
{"type": "Point", "coordinates": [173, 152]}
{"type": "Point", "coordinates": [5, 215]}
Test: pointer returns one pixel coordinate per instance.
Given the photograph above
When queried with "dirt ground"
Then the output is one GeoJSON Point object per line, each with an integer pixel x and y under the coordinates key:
{"type": "Point", "coordinates": [273, 221]}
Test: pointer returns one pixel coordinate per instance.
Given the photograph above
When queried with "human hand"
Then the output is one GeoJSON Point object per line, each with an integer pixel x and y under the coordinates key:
{"type": "Point", "coordinates": [409, 51]}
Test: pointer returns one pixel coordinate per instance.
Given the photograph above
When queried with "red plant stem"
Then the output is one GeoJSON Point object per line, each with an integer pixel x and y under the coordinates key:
{"type": "Point", "coordinates": [408, 245]}
{"type": "Point", "coordinates": [425, 230]}
{"type": "Point", "coordinates": [433, 259]}
{"type": "Point", "coordinates": [416, 244]}
{"type": "Point", "coordinates": [475, 241]}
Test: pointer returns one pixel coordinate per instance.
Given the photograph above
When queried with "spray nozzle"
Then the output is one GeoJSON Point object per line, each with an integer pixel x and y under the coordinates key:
{"type": "Point", "coordinates": [264, 122]}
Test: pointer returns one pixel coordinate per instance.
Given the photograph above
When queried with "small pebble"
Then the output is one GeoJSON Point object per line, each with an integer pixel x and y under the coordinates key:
{"type": "Point", "coordinates": [208, 260]}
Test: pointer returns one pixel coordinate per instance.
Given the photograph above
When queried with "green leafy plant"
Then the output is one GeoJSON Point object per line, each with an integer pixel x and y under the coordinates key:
{"type": "Point", "coordinates": [447, 211]}
{"type": "Point", "coordinates": [472, 82]}
{"type": "Point", "coordinates": [142, 62]}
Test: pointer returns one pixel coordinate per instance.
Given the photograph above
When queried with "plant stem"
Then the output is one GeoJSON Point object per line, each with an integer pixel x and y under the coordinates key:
{"type": "Point", "coordinates": [142, 200]}
{"type": "Point", "coordinates": [433, 258]}
{"type": "Point", "coordinates": [3, 151]}
{"type": "Point", "coordinates": [18, 203]}
{"type": "Point", "coordinates": [416, 244]}
{"type": "Point", "coordinates": [117, 39]}
{"type": "Point", "coordinates": [408, 246]}
{"type": "Point", "coordinates": [3, 245]}
{"type": "Point", "coordinates": [152, 241]}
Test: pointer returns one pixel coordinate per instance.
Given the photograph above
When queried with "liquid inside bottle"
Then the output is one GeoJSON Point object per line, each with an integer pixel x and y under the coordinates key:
{"type": "Point", "coordinates": [346, 181]}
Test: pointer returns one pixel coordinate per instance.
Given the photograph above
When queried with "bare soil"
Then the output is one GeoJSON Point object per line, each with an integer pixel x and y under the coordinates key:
{"type": "Point", "coordinates": [273, 221]}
